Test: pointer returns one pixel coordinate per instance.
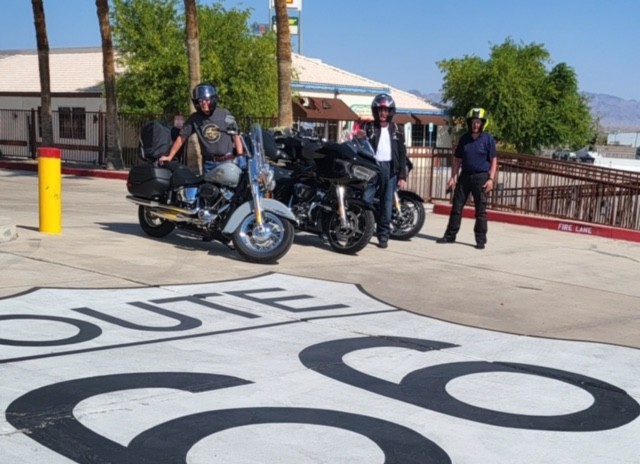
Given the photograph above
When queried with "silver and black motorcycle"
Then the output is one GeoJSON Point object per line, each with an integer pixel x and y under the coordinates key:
{"type": "Point", "coordinates": [228, 204]}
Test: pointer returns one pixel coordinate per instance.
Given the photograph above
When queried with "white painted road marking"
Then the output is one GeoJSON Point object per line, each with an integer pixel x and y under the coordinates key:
{"type": "Point", "coordinates": [293, 370]}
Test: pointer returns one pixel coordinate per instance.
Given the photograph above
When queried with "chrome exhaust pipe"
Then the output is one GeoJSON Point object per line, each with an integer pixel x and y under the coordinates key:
{"type": "Point", "coordinates": [161, 206]}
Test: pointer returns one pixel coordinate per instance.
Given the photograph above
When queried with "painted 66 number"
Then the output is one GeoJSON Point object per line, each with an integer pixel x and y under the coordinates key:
{"type": "Point", "coordinates": [171, 441]}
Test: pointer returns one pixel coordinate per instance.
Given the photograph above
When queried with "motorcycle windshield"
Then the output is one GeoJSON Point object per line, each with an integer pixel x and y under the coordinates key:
{"type": "Point", "coordinates": [256, 157]}
{"type": "Point", "coordinates": [362, 147]}
{"type": "Point", "coordinates": [354, 151]}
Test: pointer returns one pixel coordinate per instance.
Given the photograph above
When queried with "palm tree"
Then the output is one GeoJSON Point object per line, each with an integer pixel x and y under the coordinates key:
{"type": "Point", "coordinates": [114, 153]}
{"type": "Point", "coordinates": [285, 112]}
{"type": "Point", "coordinates": [192, 150]}
{"type": "Point", "coordinates": [193, 44]}
{"type": "Point", "coordinates": [46, 120]}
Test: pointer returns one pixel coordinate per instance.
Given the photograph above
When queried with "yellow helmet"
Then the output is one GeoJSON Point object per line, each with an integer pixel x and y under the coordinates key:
{"type": "Point", "coordinates": [478, 113]}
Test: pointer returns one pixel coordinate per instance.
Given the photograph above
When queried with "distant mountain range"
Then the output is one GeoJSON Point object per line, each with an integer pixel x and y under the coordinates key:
{"type": "Point", "coordinates": [613, 113]}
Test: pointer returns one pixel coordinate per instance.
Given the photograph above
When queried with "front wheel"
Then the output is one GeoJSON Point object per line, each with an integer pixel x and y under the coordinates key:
{"type": "Point", "coordinates": [153, 225]}
{"type": "Point", "coordinates": [353, 236]}
{"type": "Point", "coordinates": [263, 244]}
{"type": "Point", "coordinates": [407, 222]}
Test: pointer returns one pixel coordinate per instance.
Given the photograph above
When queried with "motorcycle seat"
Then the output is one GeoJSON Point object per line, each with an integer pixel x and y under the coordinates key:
{"type": "Point", "coordinates": [183, 175]}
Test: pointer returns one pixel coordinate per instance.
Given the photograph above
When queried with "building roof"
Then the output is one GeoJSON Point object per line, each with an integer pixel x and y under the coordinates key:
{"type": "Point", "coordinates": [79, 70]}
{"type": "Point", "coordinates": [313, 74]}
{"type": "Point", "coordinates": [72, 70]}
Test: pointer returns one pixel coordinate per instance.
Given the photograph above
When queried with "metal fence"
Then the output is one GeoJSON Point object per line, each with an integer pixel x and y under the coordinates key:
{"type": "Point", "coordinates": [540, 186]}
{"type": "Point", "coordinates": [81, 136]}
{"type": "Point", "coordinates": [525, 184]}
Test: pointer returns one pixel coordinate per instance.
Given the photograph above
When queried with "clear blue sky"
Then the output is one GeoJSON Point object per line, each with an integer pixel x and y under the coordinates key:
{"type": "Point", "coordinates": [399, 42]}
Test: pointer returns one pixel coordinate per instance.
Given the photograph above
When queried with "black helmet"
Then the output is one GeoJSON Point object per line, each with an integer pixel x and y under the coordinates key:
{"type": "Point", "coordinates": [478, 113]}
{"type": "Point", "coordinates": [204, 91]}
{"type": "Point", "coordinates": [383, 101]}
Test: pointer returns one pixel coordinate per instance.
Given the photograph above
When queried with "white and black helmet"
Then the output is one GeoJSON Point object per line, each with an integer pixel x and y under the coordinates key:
{"type": "Point", "coordinates": [383, 100]}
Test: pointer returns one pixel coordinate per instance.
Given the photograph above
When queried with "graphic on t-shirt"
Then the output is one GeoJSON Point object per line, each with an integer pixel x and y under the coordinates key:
{"type": "Point", "coordinates": [211, 133]}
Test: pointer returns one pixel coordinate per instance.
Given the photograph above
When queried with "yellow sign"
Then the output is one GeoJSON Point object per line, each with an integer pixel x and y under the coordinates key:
{"type": "Point", "coordinates": [293, 4]}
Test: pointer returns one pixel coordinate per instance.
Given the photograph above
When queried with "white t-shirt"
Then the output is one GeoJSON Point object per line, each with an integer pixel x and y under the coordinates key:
{"type": "Point", "coordinates": [383, 152]}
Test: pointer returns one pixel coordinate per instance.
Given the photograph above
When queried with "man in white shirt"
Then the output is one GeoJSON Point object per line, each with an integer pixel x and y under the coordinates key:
{"type": "Point", "coordinates": [391, 154]}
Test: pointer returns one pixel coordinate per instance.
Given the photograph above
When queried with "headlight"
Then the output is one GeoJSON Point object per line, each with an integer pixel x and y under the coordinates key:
{"type": "Point", "coordinates": [362, 173]}
{"type": "Point", "coordinates": [267, 178]}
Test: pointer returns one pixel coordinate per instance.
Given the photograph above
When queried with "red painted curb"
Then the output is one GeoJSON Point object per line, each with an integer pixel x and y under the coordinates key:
{"type": "Point", "coordinates": [549, 223]}
{"type": "Point", "coordinates": [103, 173]}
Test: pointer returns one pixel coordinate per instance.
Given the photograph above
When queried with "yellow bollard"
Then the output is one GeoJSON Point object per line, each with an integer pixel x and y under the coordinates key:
{"type": "Point", "coordinates": [50, 190]}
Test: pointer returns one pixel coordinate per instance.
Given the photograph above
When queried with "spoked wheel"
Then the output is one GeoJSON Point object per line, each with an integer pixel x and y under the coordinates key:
{"type": "Point", "coordinates": [407, 222]}
{"type": "Point", "coordinates": [264, 244]}
{"type": "Point", "coordinates": [353, 236]}
{"type": "Point", "coordinates": [153, 225]}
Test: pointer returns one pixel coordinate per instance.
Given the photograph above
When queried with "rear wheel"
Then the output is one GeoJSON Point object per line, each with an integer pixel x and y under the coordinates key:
{"type": "Point", "coordinates": [407, 222]}
{"type": "Point", "coordinates": [263, 244]}
{"type": "Point", "coordinates": [353, 236]}
{"type": "Point", "coordinates": [153, 225]}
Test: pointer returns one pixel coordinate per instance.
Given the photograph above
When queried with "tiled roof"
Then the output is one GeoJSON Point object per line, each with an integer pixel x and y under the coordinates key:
{"type": "Point", "coordinates": [80, 70]}
{"type": "Point", "coordinates": [71, 70]}
{"type": "Point", "coordinates": [314, 72]}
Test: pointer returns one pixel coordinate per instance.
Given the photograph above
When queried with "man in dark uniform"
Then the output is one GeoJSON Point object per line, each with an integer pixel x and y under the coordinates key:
{"type": "Point", "coordinates": [474, 168]}
{"type": "Point", "coordinates": [210, 124]}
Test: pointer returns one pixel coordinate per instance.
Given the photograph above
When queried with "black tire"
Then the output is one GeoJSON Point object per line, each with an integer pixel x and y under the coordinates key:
{"type": "Point", "coordinates": [153, 225]}
{"type": "Point", "coordinates": [266, 247]}
{"type": "Point", "coordinates": [356, 235]}
{"type": "Point", "coordinates": [407, 222]}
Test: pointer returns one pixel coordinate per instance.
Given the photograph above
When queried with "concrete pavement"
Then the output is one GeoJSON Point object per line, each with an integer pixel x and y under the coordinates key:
{"type": "Point", "coordinates": [528, 293]}
{"type": "Point", "coordinates": [528, 280]}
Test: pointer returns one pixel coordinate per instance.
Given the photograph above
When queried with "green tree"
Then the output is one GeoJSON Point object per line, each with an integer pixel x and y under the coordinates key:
{"type": "Point", "coordinates": [150, 40]}
{"type": "Point", "coordinates": [530, 107]}
{"type": "Point", "coordinates": [240, 64]}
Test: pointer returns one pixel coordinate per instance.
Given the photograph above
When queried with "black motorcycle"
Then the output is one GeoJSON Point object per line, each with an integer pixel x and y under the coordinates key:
{"type": "Point", "coordinates": [322, 183]}
{"type": "Point", "coordinates": [227, 204]}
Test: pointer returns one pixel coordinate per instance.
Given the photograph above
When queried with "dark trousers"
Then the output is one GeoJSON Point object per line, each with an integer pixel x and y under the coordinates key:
{"type": "Point", "coordinates": [384, 186]}
{"type": "Point", "coordinates": [469, 184]}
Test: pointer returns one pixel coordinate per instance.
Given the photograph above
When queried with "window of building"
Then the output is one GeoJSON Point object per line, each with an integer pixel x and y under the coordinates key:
{"type": "Point", "coordinates": [72, 122]}
{"type": "Point", "coordinates": [421, 137]}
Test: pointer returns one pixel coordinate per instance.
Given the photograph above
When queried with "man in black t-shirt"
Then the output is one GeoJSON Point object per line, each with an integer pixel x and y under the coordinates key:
{"type": "Point", "coordinates": [210, 123]}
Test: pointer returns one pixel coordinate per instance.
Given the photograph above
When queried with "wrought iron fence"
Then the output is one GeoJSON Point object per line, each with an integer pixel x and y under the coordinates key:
{"type": "Point", "coordinates": [525, 184]}
{"type": "Point", "coordinates": [81, 136]}
{"type": "Point", "coordinates": [540, 186]}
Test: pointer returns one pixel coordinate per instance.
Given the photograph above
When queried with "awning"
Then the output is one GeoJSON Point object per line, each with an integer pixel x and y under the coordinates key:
{"type": "Point", "coordinates": [403, 118]}
{"type": "Point", "coordinates": [322, 109]}
{"type": "Point", "coordinates": [436, 119]}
